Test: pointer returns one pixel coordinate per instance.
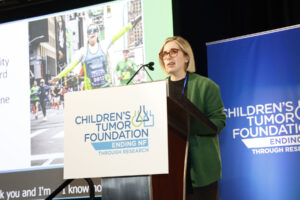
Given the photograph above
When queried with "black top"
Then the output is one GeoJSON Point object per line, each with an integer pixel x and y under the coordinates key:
{"type": "Point", "coordinates": [176, 87]}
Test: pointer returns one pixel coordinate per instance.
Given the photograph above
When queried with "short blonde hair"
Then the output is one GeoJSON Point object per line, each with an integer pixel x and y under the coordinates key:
{"type": "Point", "coordinates": [185, 47]}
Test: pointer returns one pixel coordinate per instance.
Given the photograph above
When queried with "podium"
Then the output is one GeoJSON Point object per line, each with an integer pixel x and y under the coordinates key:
{"type": "Point", "coordinates": [153, 178]}
{"type": "Point", "coordinates": [162, 186]}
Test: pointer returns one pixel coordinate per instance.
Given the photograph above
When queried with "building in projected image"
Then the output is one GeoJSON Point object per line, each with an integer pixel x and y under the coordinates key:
{"type": "Point", "coordinates": [135, 36]}
{"type": "Point", "coordinates": [42, 49]}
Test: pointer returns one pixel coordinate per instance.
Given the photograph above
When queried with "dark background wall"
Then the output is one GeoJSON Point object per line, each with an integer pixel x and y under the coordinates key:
{"type": "Point", "coordinates": [202, 21]}
{"type": "Point", "coordinates": [199, 21]}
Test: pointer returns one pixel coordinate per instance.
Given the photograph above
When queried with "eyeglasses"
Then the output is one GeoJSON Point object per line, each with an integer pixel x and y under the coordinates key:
{"type": "Point", "coordinates": [92, 30]}
{"type": "Point", "coordinates": [172, 53]}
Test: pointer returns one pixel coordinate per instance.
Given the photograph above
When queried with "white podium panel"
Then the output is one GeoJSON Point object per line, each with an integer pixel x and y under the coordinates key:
{"type": "Point", "coordinates": [118, 131]}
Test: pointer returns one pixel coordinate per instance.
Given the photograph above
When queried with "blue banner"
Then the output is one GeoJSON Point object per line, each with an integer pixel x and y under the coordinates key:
{"type": "Point", "coordinates": [259, 78]}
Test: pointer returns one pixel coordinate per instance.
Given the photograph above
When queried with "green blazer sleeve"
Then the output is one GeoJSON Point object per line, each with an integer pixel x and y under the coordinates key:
{"type": "Point", "coordinates": [206, 96]}
{"type": "Point", "coordinates": [204, 149]}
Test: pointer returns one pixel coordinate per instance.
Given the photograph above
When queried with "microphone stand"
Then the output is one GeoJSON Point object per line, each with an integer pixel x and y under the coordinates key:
{"type": "Point", "coordinates": [143, 66]}
{"type": "Point", "coordinates": [67, 182]}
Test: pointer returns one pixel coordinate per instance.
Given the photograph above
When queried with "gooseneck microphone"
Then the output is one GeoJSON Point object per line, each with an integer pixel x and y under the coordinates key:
{"type": "Point", "coordinates": [150, 67]}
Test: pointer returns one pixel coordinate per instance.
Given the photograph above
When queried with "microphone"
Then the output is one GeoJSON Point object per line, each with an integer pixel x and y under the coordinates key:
{"type": "Point", "coordinates": [149, 65]}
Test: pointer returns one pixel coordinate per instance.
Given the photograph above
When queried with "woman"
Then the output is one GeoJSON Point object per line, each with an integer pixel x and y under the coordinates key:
{"type": "Point", "coordinates": [204, 163]}
{"type": "Point", "coordinates": [94, 62]}
{"type": "Point", "coordinates": [56, 95]}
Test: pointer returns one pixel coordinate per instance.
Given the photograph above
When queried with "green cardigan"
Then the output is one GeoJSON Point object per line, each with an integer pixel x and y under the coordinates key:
{"type": "Point", "coordinates": [203, 148]}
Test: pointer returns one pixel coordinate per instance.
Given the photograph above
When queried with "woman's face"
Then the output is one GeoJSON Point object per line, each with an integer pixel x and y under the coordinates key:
{"type": "Point", "coordinates": [92, 35]}
{"type": "Point", "coordinates": [174, 59]}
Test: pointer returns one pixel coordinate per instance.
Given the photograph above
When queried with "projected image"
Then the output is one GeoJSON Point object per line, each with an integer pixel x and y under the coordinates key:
{"type": "Point", "coordinates": [98, 47]}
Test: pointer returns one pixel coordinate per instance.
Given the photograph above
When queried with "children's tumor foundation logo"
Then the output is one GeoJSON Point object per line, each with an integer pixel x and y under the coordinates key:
{"type": "Point", "coordinates": [267, 128]}
{"type": "Point", "coordinates": [119, 132]}
{"type": "Point", "coordinates": [142, 117]}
